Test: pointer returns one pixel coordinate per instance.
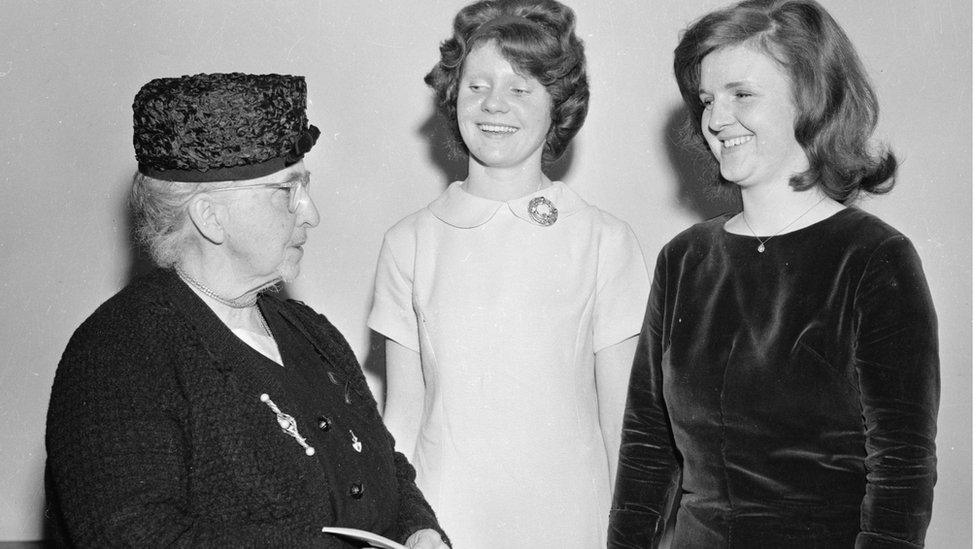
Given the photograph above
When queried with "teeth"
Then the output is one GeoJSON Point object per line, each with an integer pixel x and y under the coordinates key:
{"type": "Point", "coordinates": [736, 141]}
{"type": "Point", "coordinates": [496, 129]}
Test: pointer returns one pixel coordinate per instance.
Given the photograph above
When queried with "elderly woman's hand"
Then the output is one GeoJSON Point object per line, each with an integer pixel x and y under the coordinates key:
{"type": "Point", "coordinates": [426, 539]}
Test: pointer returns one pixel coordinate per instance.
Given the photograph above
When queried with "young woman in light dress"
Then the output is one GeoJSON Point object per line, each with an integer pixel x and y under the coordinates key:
{"type": "Point", "coordinates": [509, 304]}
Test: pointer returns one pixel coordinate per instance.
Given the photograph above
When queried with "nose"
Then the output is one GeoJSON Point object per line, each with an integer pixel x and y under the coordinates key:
{"type": "Point", "coordinates": [718, 116]}
{"type": "Point", "coordinates": [494, 102]}
{"type": "Point", "coordinates": [308, 213]}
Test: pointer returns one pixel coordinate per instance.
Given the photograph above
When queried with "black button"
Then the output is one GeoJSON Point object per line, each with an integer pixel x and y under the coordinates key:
{"type": "Point", "coordinates": [356, 490]}
{"type": "Point", "coordinates": [325, 423]}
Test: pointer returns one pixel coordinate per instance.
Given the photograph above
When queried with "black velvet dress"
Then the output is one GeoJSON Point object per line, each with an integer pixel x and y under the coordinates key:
{"type": "Point", "coordinates": [793, 392]}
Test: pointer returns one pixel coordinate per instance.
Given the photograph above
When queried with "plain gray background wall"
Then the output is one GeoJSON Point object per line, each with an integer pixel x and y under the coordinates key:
{"type": "Point", "coordinates": [69, 71]}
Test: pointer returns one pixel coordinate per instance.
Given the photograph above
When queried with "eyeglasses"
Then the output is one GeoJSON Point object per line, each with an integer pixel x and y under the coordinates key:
{"type": "Point", "coordinates": [297, 189]}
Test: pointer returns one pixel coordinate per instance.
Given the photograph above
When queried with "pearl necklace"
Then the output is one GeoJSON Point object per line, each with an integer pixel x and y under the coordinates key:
{"type": "Point", "coordinates": [233, 303]}
{"type": "Point", "coordinates": [762, 241]}
{"type": "Point", "coordinates": [264, 324]}
{"type": "Point", "coordinates": [239, 303]}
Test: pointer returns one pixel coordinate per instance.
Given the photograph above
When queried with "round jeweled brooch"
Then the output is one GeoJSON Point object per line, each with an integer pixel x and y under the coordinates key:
{"type": "Point", "coordinates": [542, 211]}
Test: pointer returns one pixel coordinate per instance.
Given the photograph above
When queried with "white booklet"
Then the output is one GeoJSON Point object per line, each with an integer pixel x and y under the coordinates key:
{"type": "Point", "coordinates": [374, 540]}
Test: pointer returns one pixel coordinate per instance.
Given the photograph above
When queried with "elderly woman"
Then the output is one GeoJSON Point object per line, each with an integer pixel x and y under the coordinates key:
{"type": "Point", "coordinates": [511, 306]}
{"type": "Point", "coordinates": [788, 366]}
{"type": "Point", "coordinates": [193, 409]}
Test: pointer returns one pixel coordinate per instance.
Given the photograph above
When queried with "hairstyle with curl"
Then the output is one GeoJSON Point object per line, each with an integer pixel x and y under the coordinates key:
{"type": "Point", "coordinates": [538, 38]}
{"type": "Point", "coordinates": [160, 218]}
{"type": "Point", "coordinates": [837, 110]}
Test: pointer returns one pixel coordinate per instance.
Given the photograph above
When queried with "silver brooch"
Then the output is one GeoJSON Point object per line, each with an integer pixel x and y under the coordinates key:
{"type": "Point", "coordinates": [287, 424]}
{"type": "Point", "coordinates": [542, 211]}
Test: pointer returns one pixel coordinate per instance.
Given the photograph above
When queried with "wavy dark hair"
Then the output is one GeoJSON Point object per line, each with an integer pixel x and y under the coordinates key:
{"type": "Point", "coordinates": [538, 38]}
{"type": "Point", "coordinates": [837, 109]}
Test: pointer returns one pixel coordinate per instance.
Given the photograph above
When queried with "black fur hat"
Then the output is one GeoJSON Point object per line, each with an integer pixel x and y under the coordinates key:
{"type": "Point", "coordinates": [220, 127]}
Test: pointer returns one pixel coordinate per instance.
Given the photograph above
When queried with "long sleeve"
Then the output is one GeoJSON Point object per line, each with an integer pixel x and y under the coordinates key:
{"type": "Point", "coordinates": [414, 511]}
{"type": "Point", "coordinates": [898, 376]}
{"type": "Point", "coordinates": [648, 470]}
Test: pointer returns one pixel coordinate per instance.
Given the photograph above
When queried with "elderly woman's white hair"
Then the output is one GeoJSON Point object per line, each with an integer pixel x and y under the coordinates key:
{"type": "Point", "coordinates": [159, 213]}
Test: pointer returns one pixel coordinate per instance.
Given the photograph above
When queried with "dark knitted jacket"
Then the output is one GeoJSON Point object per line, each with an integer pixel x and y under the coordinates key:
{"type": "Point", "coordinates": [156, 434]}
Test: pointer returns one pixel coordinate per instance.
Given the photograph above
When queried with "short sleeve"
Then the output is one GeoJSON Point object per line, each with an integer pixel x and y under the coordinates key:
{"type": "Point", "coordinates": [622, 287]}
{"type": "Point", "coordinates": [392, 314]}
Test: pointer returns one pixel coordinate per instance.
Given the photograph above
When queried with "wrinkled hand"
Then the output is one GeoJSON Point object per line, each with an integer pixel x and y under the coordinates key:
{"type": "Point", "coordinates": [426, 539]}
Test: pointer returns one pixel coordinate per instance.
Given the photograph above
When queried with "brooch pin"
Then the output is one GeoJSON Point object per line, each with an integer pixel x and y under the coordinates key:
{"type": "Point", "coordinates": [287, 424]}
{"type": "Point", "coordinates": [542, 211]}
{"type": "Point", "coordinates": [356, 445]}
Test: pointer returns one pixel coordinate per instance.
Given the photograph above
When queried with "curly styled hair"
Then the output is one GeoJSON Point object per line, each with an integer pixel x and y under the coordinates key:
{"type": "Point", "coordinates": [538, 38]}
{"type": "Point", "coordinates": [837, 109]}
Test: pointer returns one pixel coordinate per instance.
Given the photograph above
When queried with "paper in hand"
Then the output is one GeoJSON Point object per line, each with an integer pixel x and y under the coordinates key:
{"type": "Point", "coordinates": [374, 540]}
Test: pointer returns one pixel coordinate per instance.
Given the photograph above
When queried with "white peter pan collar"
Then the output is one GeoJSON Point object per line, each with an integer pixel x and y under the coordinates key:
{"type": "Point", "coordinates": [463, 210]}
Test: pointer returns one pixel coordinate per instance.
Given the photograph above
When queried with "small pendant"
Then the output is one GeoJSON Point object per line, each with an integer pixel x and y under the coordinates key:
{"type": "Point", "coordinates": [356, 445]}
{"type": "Point", "coordinates": [542, 211]}
{"type": "Point", "coordinates": [761, 248]}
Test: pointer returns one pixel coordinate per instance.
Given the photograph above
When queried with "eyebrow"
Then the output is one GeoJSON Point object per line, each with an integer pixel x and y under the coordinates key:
{"type": "Point", "coordinates": [730, 85]}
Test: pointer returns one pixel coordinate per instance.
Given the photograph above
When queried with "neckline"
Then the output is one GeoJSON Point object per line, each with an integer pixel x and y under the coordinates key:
{"type": "Point", "coordinates": [200, 314]}
{"type": "Point", "coordinates": [461, 209]}
{"type": "Point", "coordinates": [725, 218]}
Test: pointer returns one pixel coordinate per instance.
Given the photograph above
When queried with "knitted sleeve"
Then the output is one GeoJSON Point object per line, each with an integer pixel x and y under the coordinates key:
{"type": "Point", "coordinates": [414, 511]}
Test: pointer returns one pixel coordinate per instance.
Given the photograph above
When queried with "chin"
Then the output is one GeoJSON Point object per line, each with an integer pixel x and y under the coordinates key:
{"type": "Point", "coordinates": [288, 273]}
{"type": "Point", "coordinates": [491, 160]}
{"type": "Point", "coordinates": [733, 175]}
{"type": "Point", "coordinates": [290, 265]}
{"type": "Point", "coordinates": [289, 270]}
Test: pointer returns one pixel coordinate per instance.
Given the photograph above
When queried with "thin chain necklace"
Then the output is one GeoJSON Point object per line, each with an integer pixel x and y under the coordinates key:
{"type": "Point", "coordinates": [762, 241]}
{"type": "Point", "coordinates": [239, 303]}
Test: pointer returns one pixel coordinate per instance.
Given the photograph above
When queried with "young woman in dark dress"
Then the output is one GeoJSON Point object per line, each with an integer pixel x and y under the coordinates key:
{"type": "Point", "coordinates": [787, 372]}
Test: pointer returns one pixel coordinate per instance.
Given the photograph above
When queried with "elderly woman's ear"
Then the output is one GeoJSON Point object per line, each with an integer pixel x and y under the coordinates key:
{"type": "Point", "coordinates": [207, 216]}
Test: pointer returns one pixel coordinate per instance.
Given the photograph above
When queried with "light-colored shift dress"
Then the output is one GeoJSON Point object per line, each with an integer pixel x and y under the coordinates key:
{"type": "Point", "coordinates": [507, 314]}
